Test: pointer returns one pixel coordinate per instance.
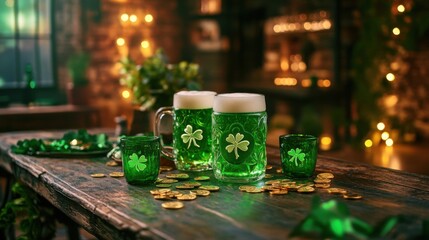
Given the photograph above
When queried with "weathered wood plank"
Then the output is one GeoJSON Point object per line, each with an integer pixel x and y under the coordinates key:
{"type": "Point", "coordinates": [112, 209]}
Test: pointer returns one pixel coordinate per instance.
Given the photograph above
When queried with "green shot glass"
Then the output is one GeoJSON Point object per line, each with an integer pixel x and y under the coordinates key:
{"type": "Point", "coordinates": [239, 137]}
{"type": "Point", "coordinates": [140, 159]}
{"type": "Point", "coordinates": [192, 130]}
{"type": "Point", "coordinates": [298, 153]}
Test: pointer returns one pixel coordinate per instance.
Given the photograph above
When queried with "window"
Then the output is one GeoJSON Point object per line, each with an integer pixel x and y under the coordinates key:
{"type": "Point", "coordinates": [25, 40]}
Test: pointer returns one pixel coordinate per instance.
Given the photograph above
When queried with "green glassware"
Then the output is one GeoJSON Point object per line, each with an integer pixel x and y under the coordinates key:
{"type": "Point", "coordinates": [140, 159]}
{"type": "Point", "coordinates": [298, 153]}
{"type": "Point", "coordinates": [239, 136]}
{"type": "Point", "coordinates": [192, 130]}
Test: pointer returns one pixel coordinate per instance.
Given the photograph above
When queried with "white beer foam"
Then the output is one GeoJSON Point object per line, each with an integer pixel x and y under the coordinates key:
{"type": "Point", "coordinates": [239, 103]}
{"type": "Point", "coordinates": [193, 99]}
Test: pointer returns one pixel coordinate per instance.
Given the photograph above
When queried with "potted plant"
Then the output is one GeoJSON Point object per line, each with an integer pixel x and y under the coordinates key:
{"type": "Point", "coordinates": [153, 84]}
{"type": "Point", "coordinates": [77, 88]}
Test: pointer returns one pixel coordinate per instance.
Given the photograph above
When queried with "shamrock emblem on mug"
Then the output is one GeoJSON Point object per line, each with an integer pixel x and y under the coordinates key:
{"type": "Point", "coordinates": [296, 155]}
{"type": "Point", "coordinates": [190, 137]}
{"type": "Point", "coordinates": [236, 143]}
{"type": "Point", "coordinates": [137, 162]}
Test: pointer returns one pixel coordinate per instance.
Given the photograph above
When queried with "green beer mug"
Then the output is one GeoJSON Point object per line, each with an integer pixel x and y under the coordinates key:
{"type": "Point", "coordinates": [239, 136]}
{"type": "Point", "coordinates": [192, 129]}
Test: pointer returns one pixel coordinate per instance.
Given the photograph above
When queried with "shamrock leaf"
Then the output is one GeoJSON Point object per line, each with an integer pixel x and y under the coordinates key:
{"type": "Point", "coordinates": [236, 143]}
{"type": "Point", "coordinates": [137, 162]}
{"type": "Point", "coordinates": [190, 137]}
{"type": "Point", "coordinates": [296, 155]}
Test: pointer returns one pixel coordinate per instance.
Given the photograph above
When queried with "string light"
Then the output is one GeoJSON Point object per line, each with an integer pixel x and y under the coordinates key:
{"type": "Point", "coordinates": [148, 18]}
{"type": "Point", "coordinates": [126, 94]}
{"type": "Point", "coordinates": [401, 8]}
{"type": "Point", "coordinates": [389, 142]}
{"type": "Point", "coordinates": [390, 77]}
{"type": "Point", "coordinates": [124, 17]}
{"type": "Point", "coordinates": [133, 18]}
{"type": "Point", "coordinates": [396, 31]}
{"type": "Point", "coordinates": [120, 42]}
{"type": "Point", "coordinates": [368, 143]}
{"type": "Point", "coordinates": [380, 126]}
{"type": "Point", "coordinates": [145, 44]}
{"type": "Point", "coordinates": [385, 135]}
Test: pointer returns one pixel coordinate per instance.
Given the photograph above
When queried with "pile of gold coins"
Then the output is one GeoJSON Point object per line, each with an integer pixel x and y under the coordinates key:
{"type": "Point", "coordinates": [164, 191]}
{"type": "Point", "coordinates": [284, 186]}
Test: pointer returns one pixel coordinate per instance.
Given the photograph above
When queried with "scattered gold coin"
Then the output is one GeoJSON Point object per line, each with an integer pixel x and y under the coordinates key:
{"type": "Point", "coordinates": [163, 185]}
{"type": "Point", "coordinates": [187, 197]}
{"type": "Point", "coordinates": [278, 192]}
{"type": "Point", "coordinates": [210, 188]}
{"type": "Point", "coordinates": [98, 175]}
{"type": "Point", "coordinates": [268, 167]}
{"type": "Point", "coordinates": [322, 180]}
{"type": "Point", "coordinates": [271, 182]}
{"type": "Point", "coordinates": [173, 205]}
{"type": "Point", "coordinates": [325, 175]}
{"type": "Point", "coordinates": [111, 163]}
{"type": "Point", "coordinates": [167, 181]}
{"type": "Point", "coordinates": [185, 186]}
{"type": "Point", "coordinates": [268, 176]}
{"type": "Point", "coordinates": [322, 185]}
{"type": "Point", "coordinates": [255, 190]}
{"type": "Point", "coordinates": [177, 176]}
{"type": "Point", "coordinates": [279, 170]}
{"type": "Point", "coordinates": [352, 196]}
{"type": "Point", "coordinates": [202, 178]}
{"type": "Point", "coordinates": [162, 197]}
{"type": "Point", "coordinates": [337, 191]}
{"type": "Point", "coordinates": [165, 168]}
{"type": "Point", "coordinates": [193, 184]}
{"type": "Point", "coordinates": [116, 174]}
{"type": "Point", "coordinates": [306, 189]}
{"type": "Point", "coordinates": [244, 188]}
{"type": "Point", "coordinates": [199, 192]}
{"type": "Point", "coordinates": [160, 191]}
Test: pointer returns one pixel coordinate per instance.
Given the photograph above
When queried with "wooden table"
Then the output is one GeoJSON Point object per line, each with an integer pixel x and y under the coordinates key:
{"type": "Point", "coordinates": [109, 208]}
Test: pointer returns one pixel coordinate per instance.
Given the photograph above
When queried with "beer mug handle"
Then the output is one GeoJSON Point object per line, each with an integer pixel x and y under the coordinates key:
{"type": "Point", "coordinates": [166, 151]}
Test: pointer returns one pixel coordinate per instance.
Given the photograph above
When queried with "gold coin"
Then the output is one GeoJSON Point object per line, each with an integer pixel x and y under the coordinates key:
{"type": "Point", "coordinates": [163, 185]}
{"type": "Point", "coordinates": [279, 170]}
{"type": "Point", "coordinates": [116, 174]}
{"type": "Point", "coordinates": [268, 167]}
{"type": "Point", "coordinates": [325, 175]}
{"type": "Point", "coordinates": [202, 178]}
{"type": "Point", "coordinates": [178, 176]}
{"type": "Point", "coordinates": [255, 190]}
{"type": "Point", "coordinates": [173, 205]}
{"type": "Point", "coordinates": [167, 181]}
{"type": "Point", "coordinates": [322, 185]}
{"type": "Point", "coordinates": [278, 192]}
{"type": "Point", "coordinates": [268, 176]}
{"type": "Point", "coordinates": [271, 182]}
{"type": "Point", "coordinates": [187, 197]}
{"type": "Point", "coordinates": [165, 168]}
{"type": "Point", "coordinates": [158, 180]}
{"type": "Point", "coordinates": [111, 163]}
{"type": "Point", "coordinates": [199, 192]}
{"type": "Point", "coordinates": [244, 188]}
{"type": "Point", "coordinates": [193, 184]}
{"type": "Point", "coordinates": [160, 191]}
{"type": "Point", "coordinates": [98, 175]}
{"type": "Point", "coordinates": [185, 186]}
{"type": "Point", "coordinates": [210, 188]}
{"type": "Point", "coordinates": [269, 188]}
{"type": "Point", "coordinates": [352, 196]}
{"type": "Point", "coordinates": [337, 191]}
{"type": "Point", "coordinates": [162, 197]}
{"type": "Point", "coordinates": [306, 189]}
{"type": "Point", "coordinates": [322, 180]}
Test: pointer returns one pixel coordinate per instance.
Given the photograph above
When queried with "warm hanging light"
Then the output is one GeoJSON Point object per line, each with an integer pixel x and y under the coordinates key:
{"type": "Point", "coordinates": [148, 18]}
{"type": "Point", "coordinates": [145, 44]}
{"type": "Point", "coordinates": [396, 31]}
{"type": "Point", "coordinates": [120, 42]}
{"type": "Point", "coordinates": [401, 8]}
{"type": "Point", "coordinates": [390, 77]}
{"type": "Point", "coordinates": [380, 126]}
{"type": "Point", "coordinates": [124, 17]}
{"type": "Point", "coordinates": [368, 143]}
{"type": "Point", "coordinates": [133, 18]}
{"type": "Point", "coordinates": [385, 136]}
{"type": "Point", "coordinates": [389, 142]}
{"type": "Point", "coordinates": [126, 94]}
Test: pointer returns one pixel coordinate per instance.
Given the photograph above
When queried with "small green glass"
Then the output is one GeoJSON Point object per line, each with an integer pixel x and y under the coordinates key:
{"type": "Point", "coordinates": [298, 153]}
{"type": "Point", "coordinates": [239, 136]}
{"type": "Point", "coordinates": [140, 159]}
